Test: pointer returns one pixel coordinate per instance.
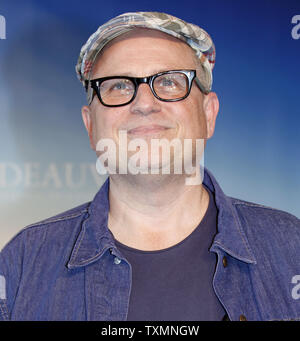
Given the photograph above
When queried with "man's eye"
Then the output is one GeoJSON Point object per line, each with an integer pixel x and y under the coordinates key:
{"type": "Point", "coordinates": [167, 82]}
{"type": "Point", "coordinates": [119, 86]}
{"type": "Point", "coordinates": [122, 85]}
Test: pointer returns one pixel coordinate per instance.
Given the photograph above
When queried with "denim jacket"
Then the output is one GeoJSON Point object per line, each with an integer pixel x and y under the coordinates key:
{"type": "Point", "coordinates": [68, 267]}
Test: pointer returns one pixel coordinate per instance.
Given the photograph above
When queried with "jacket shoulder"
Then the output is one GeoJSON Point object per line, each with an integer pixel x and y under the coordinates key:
{"type": "Point", "coordinates": [258, 211]}
{"type": "Point", "coordinates": [269, 228]}
{"type": "Point", "coordinates": [62, 219]}
{"type": "Point", "coordinates": [66, 215]}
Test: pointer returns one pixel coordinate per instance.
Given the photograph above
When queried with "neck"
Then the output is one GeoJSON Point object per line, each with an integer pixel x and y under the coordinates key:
{"type": "Point", "coordinates": [151, 212]}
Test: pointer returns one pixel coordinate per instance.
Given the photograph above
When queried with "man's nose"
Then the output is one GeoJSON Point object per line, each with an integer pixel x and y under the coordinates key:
{"type": "Point", "coordinates": [145, 103]}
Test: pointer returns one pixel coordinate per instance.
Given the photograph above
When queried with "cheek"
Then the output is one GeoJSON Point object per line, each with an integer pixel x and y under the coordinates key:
{"type": "Point", "coordinates": [192, 119]}
{"type": "Point", "coordinates": [201, 126]}
{"type": "Point", "coordinates": [106, 121]}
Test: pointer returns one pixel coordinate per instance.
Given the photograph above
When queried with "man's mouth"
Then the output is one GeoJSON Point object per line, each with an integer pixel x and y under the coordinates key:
{"type": "Point", "coordinates": [147, 129]}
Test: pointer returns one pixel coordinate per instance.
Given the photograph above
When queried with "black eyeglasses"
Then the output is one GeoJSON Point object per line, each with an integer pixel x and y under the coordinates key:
{"type": "Point", "coordinates": [168, 86]}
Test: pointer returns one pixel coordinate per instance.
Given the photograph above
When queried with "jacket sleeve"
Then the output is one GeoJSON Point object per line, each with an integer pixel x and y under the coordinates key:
{"type": "Point", "coordinates": [11, 261]}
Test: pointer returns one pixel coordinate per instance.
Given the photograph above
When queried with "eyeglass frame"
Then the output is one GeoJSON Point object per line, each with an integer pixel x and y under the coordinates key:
{"type": "Point", "coordinates": [190, 74]}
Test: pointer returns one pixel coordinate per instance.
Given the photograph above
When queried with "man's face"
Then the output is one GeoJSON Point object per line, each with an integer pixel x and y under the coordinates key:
{"type": "Point", "coordinates": [142, 53]}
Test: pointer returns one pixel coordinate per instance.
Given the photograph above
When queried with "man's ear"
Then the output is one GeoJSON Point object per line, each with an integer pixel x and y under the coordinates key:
{"type": "Point", "coordinates": [88, 122]}
{"type": "Point", "coordinates": [211, 109]}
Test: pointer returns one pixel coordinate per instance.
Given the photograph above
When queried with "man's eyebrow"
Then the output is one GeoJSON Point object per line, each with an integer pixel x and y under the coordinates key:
{"type": "Point", "coordinates": [133, 74]}
{"type": "Point", "coordinates": [153, 72]}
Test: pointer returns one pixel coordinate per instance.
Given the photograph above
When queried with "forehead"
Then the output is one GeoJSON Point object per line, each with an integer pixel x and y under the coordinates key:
{"type": "Point", "coordinates": [141, 52]}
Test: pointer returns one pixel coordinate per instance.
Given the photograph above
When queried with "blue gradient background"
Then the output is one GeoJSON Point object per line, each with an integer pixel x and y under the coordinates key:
{"type": "Point", "coordinates": [254, 153]}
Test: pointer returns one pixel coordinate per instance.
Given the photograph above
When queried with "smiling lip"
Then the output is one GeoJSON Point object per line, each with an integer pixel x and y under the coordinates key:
{"type": "Point", "coordinates": [147, 129]}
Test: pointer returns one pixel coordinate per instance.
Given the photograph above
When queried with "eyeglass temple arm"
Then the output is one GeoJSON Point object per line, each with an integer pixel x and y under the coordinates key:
{"type": "Point", "coordinates": [200, 86]}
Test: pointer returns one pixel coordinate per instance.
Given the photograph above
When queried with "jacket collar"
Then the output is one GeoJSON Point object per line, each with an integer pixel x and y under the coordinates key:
{"type": "Point", "coordinates": [95, 238]}
{"type": "Point", "coordinates": [231, 237]}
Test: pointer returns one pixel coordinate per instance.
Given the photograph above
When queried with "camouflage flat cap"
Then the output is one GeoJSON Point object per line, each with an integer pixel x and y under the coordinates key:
{"type": "Point", "coordinates": [198, 39]}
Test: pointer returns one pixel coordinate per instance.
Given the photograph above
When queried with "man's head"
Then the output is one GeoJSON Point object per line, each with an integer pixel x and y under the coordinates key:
{"type": "Point", "coordinates": [198, 39]}
{"type": "Point", "coordinates": [143, 52]}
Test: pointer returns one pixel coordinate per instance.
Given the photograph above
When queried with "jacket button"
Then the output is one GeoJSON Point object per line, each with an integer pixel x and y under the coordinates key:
{"type": "Point", "coordinates": [224, 261]}
{"type": "Point", "coordinates": [243, 318]}
{"type": "Point", "coordinates": [117, 260]}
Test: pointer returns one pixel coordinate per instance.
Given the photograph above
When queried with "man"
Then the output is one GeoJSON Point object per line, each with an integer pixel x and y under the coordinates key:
{"type": "Point", "coordinates": [150, 246]}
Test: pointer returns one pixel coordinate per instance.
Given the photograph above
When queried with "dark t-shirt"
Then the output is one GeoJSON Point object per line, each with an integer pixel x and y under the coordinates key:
{"type": "Point", "coordinates": [175, 284]}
